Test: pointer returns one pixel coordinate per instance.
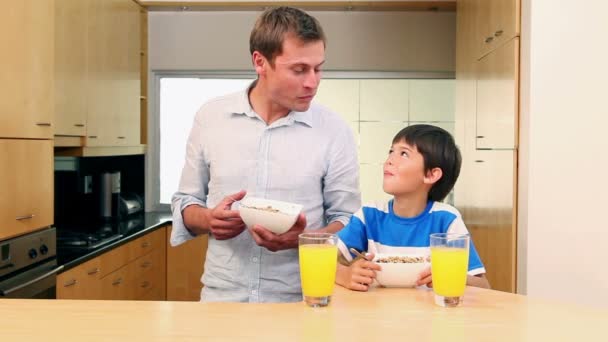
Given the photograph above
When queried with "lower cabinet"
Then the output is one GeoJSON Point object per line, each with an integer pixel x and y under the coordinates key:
{"type": "Point", "coordinates": [136, 270]}
{"type": "Point", "coordinates": [147, 268]}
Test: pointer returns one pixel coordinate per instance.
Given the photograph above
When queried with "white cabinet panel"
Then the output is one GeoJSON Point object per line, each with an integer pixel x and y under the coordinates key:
{"type": "Point", "coordinates": [384, 100]}
{"type": "Point", "coordinates": [431, 100]}
{"type": "Point", "coordinates": [341, 96]}
{"type": "Point", "coordinates": [371, 176]}
{"type": "Point", "coordinates": [376, 139]}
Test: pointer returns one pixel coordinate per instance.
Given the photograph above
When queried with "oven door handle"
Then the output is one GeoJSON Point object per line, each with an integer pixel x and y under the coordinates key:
{"type": "Point", "coordinates": [20, 286]}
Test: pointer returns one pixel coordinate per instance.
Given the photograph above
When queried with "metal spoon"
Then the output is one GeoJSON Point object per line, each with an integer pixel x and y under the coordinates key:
{"type": "Point", "coordinates": [358, 254]}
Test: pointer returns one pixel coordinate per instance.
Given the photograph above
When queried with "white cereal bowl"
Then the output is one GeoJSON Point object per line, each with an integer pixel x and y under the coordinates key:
{"type": "Point", "coordinates": [276, 216]}
{"type": "Point", "coordinates": [399, 274]}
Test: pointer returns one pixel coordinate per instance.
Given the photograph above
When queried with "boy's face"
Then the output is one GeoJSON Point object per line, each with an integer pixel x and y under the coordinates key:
{"type": "Point", "coordinates": [404, 171]}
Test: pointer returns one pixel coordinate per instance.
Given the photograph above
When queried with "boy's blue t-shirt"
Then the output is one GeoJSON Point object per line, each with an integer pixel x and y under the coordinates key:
{"type": "Point", "coordinates": [376, 229]}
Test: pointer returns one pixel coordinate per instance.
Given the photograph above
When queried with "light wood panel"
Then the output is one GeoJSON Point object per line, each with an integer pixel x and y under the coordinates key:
{"type": "Point", "coordinates": [26, 69]}
{"type": "Point", "coordinates": [26, 180]}
{"type": "Point", "coordinates": [377, 315]}
{"type": "Point", "coordinates": [497, 22]}
{"type": "Point", "coordinates": [70, 67]}
{"type": "Point", "coordinates": [498, 97]}
{"type": "Point", "coordinates": [144, 76]}
{"type": "Point", "coordinates": [185, 266]}
{"type": "Point", "coordinates": [135, 249]}
{"type": "Point", "coordinates": [81, 282]}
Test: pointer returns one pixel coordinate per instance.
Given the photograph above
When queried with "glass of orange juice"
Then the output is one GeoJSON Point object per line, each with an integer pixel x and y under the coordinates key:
{"type": "Point", "coordinates": [449, 265]}
{"type": "Point", "coordinates": [318, 260]}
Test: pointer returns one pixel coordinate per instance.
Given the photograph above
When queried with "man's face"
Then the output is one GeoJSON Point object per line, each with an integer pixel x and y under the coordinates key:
{"type": "Point", "coordinates": [404, 170]}
{"type": "Point", "coordinates": [292, 82]}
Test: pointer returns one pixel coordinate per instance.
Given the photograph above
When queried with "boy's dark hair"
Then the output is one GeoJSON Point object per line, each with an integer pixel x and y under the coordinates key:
{"type": "Point", "coordinates": [438, 149]}
{"type": "Point", "coordinates": [274, 24]}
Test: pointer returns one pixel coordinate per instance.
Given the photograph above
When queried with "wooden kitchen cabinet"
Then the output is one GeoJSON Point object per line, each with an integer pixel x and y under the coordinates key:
{"type": "Point", "coordinates": [70, 67]}
{"type": "Point", "coordinates": [81, 282]}
{"type": "Point", "coordinates": [113, 42]}
{"type": "Point", "coordinates": [26, 69]}
{"type": "Point", "coordinates": [135, 270]}
{"type": "Point", "coordinates": [498, 98]}
{"type": "Point", "coordinates": [26, 180]}
{"type": "Point", "coordinates": [490, 215]}
{"type": "Point", "coordinates": [497, 21]}
{"type": "Point", "coordinates": [185, 266]}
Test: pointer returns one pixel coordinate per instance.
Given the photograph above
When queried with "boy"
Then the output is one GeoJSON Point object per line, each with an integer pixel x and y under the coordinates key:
{"type": "Point", "coordinates": [421, 169]}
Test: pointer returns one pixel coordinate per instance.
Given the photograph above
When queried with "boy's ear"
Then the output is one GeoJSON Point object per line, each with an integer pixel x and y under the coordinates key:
{"type": "Point", "coordinates": [433, 175]}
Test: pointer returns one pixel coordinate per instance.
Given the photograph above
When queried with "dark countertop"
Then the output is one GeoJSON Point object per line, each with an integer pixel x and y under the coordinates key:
{"type": "Point", "coordinates": [152, 221]}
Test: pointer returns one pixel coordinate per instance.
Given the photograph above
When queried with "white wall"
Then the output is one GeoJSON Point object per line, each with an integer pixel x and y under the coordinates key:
{"type": "Point", "coordinates": [376, 41]}
{"type": "Point", "coordinates": [563, 172]}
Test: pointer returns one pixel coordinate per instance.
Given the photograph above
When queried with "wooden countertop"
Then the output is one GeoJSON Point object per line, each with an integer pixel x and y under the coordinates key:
{"type": "Point", "coordinates": [379, 315]}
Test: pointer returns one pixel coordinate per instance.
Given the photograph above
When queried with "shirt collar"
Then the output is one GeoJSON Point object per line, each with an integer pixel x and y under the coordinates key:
{"type": "Point", "coordinates": [243, 106]}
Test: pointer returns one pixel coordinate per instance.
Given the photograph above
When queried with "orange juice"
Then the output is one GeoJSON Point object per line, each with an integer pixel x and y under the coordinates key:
{"type": "Point", "coordinates": [449, 270]}
{"type": "Point", "coordinates": [318, 269]}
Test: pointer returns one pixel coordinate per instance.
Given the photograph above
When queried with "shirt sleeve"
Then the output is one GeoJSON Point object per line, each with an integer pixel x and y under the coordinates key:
{"type": "Point", "coordinates": [475, 265]}
{"type": "Point", "coordinates": [354, 235]}
{"type": "Point", "coordinates": [193, 185]}
{"type": "Point", "coordinates": [341, 194]}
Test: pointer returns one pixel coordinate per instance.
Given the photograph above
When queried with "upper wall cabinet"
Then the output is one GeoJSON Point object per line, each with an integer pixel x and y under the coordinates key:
{"type": "Point", "coordinates": [498, 98]}
{"type": "Point", "coordinates": [26, 69]}
{"type": "Point", "coordinates": [98, 71]}
{"type": "Point", "coordinates": [497, 21]}
{"type": "Point", "coordinates": [70, 67]}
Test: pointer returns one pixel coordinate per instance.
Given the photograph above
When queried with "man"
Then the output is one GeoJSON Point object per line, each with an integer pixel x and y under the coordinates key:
{"type": "Point", "coordinates": [266, 141]}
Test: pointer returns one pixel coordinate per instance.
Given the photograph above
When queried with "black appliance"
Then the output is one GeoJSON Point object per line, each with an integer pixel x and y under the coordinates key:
{"type": "Point", "coordinates": [82, 237]}
{"type": "Point", "coordinates": [28, 265]}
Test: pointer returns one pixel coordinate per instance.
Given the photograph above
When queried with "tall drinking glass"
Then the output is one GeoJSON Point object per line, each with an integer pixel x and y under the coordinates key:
{"type": "Point", "coordinates": [449, 265]}
{"type": "Point", "coordinates": [318, 261]}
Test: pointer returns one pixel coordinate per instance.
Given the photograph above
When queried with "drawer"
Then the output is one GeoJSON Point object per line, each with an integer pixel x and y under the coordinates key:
{"type": "Point", "coordinates": [118, 285]}
{"type": "Point", "coordinates": [150, 263]}
{"type": "Point", "coordinates": [121, 256]}
{"type": "Point", "coordinates": [81, 282]}
{"type": "Point", "coordinates": [154, 281]}
{"type": "Point", "coordinates": [26, 180]}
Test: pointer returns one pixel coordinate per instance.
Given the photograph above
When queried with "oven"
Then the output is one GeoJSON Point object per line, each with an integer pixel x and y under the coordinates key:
{"type": "Point", "coordinates": [28, 266]}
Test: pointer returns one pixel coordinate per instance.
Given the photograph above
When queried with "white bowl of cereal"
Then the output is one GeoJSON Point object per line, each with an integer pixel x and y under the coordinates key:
{"type": "Point", "coordinates": [276, 216]}
{"type": "Point", "coordinates": [400, 270]}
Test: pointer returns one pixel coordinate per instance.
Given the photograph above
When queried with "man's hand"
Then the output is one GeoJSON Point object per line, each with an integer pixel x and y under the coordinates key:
{"type": "Point", "coordinates": [359, 275]}
{"type": "Point", "coordinates": [224, 223]}
{"type": "Point", "coordinates": [273, 242]}
{"type": "Point", "coordinates": [425, 278]}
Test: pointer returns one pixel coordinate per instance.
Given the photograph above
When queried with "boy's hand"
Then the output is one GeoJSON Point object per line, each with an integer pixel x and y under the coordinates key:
{"type": "Point", "coordinates": [361, 274]}
{"type": "Point", "coordinates": [425, 278]}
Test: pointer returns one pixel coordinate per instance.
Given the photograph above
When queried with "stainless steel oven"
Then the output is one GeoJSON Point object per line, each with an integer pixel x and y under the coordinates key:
{"type": "Point", "coordinates": [28, 265]}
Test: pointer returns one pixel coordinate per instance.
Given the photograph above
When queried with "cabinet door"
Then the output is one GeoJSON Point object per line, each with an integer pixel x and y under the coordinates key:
{"type": "Point", "coordinates": [151, 275]}
{"type": "Point", "coordinates": [26, 69]}
{"type": "Point", "coordinates": [70, 67]}
{"type": "Point", "coordinates": [81, 282]}
{"type": "Point", "coordinates": [497, 21]}
{"type": "Point", "coordinates": [130, 96]}
{"type": "Point", "coordinates": [431, 101]}
{"type": "Point", "coordinates": [498, 98]}
{"type": "Point", "coordinates": [490, 214]}
{"type": "Point", "coordinates": [26, 180]}
{"type": "Point", "coordinates": [185, 268]}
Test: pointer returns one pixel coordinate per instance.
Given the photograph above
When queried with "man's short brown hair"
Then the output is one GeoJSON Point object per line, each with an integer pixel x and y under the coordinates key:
{"type": "Point", "coordinates": [275, 24]}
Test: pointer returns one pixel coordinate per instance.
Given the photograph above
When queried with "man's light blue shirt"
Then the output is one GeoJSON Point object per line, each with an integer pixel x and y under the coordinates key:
{"type": "Point", "coordinates": [308, 158]}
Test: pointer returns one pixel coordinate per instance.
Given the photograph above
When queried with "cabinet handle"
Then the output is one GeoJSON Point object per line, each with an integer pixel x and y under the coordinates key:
{"type": "Point", "coordinates": [79, 125]}
{"type": "Point", "coordinates": [145, 244]}
{"type": "Point", "coordinates": [489, 39]}
{"type": "Point", "coordinates": [117, 281]}
{"type": "Point", "coordinates": [92, 137]}
{"type": "Point", "coordinates": [146, 264]}
{"type": "Point", "coordinates": [498, 33]}
{"type": "Point", "coordinates": [24, 217]}
{"type": "Point", "coordinates": [479, 161]}
{"type": "Point", "coordinates": [121, 137]}
{"type": "Point", "coordinates": [46, 124]}
{"type": "Point", "coordinates": [72, 282]}
{"type": "Point", "coordinates": [145, 284]}
{"type": "Point", "coordinates": [480, 136]}
{"type": "Point", "coordinates": [93, 271]}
